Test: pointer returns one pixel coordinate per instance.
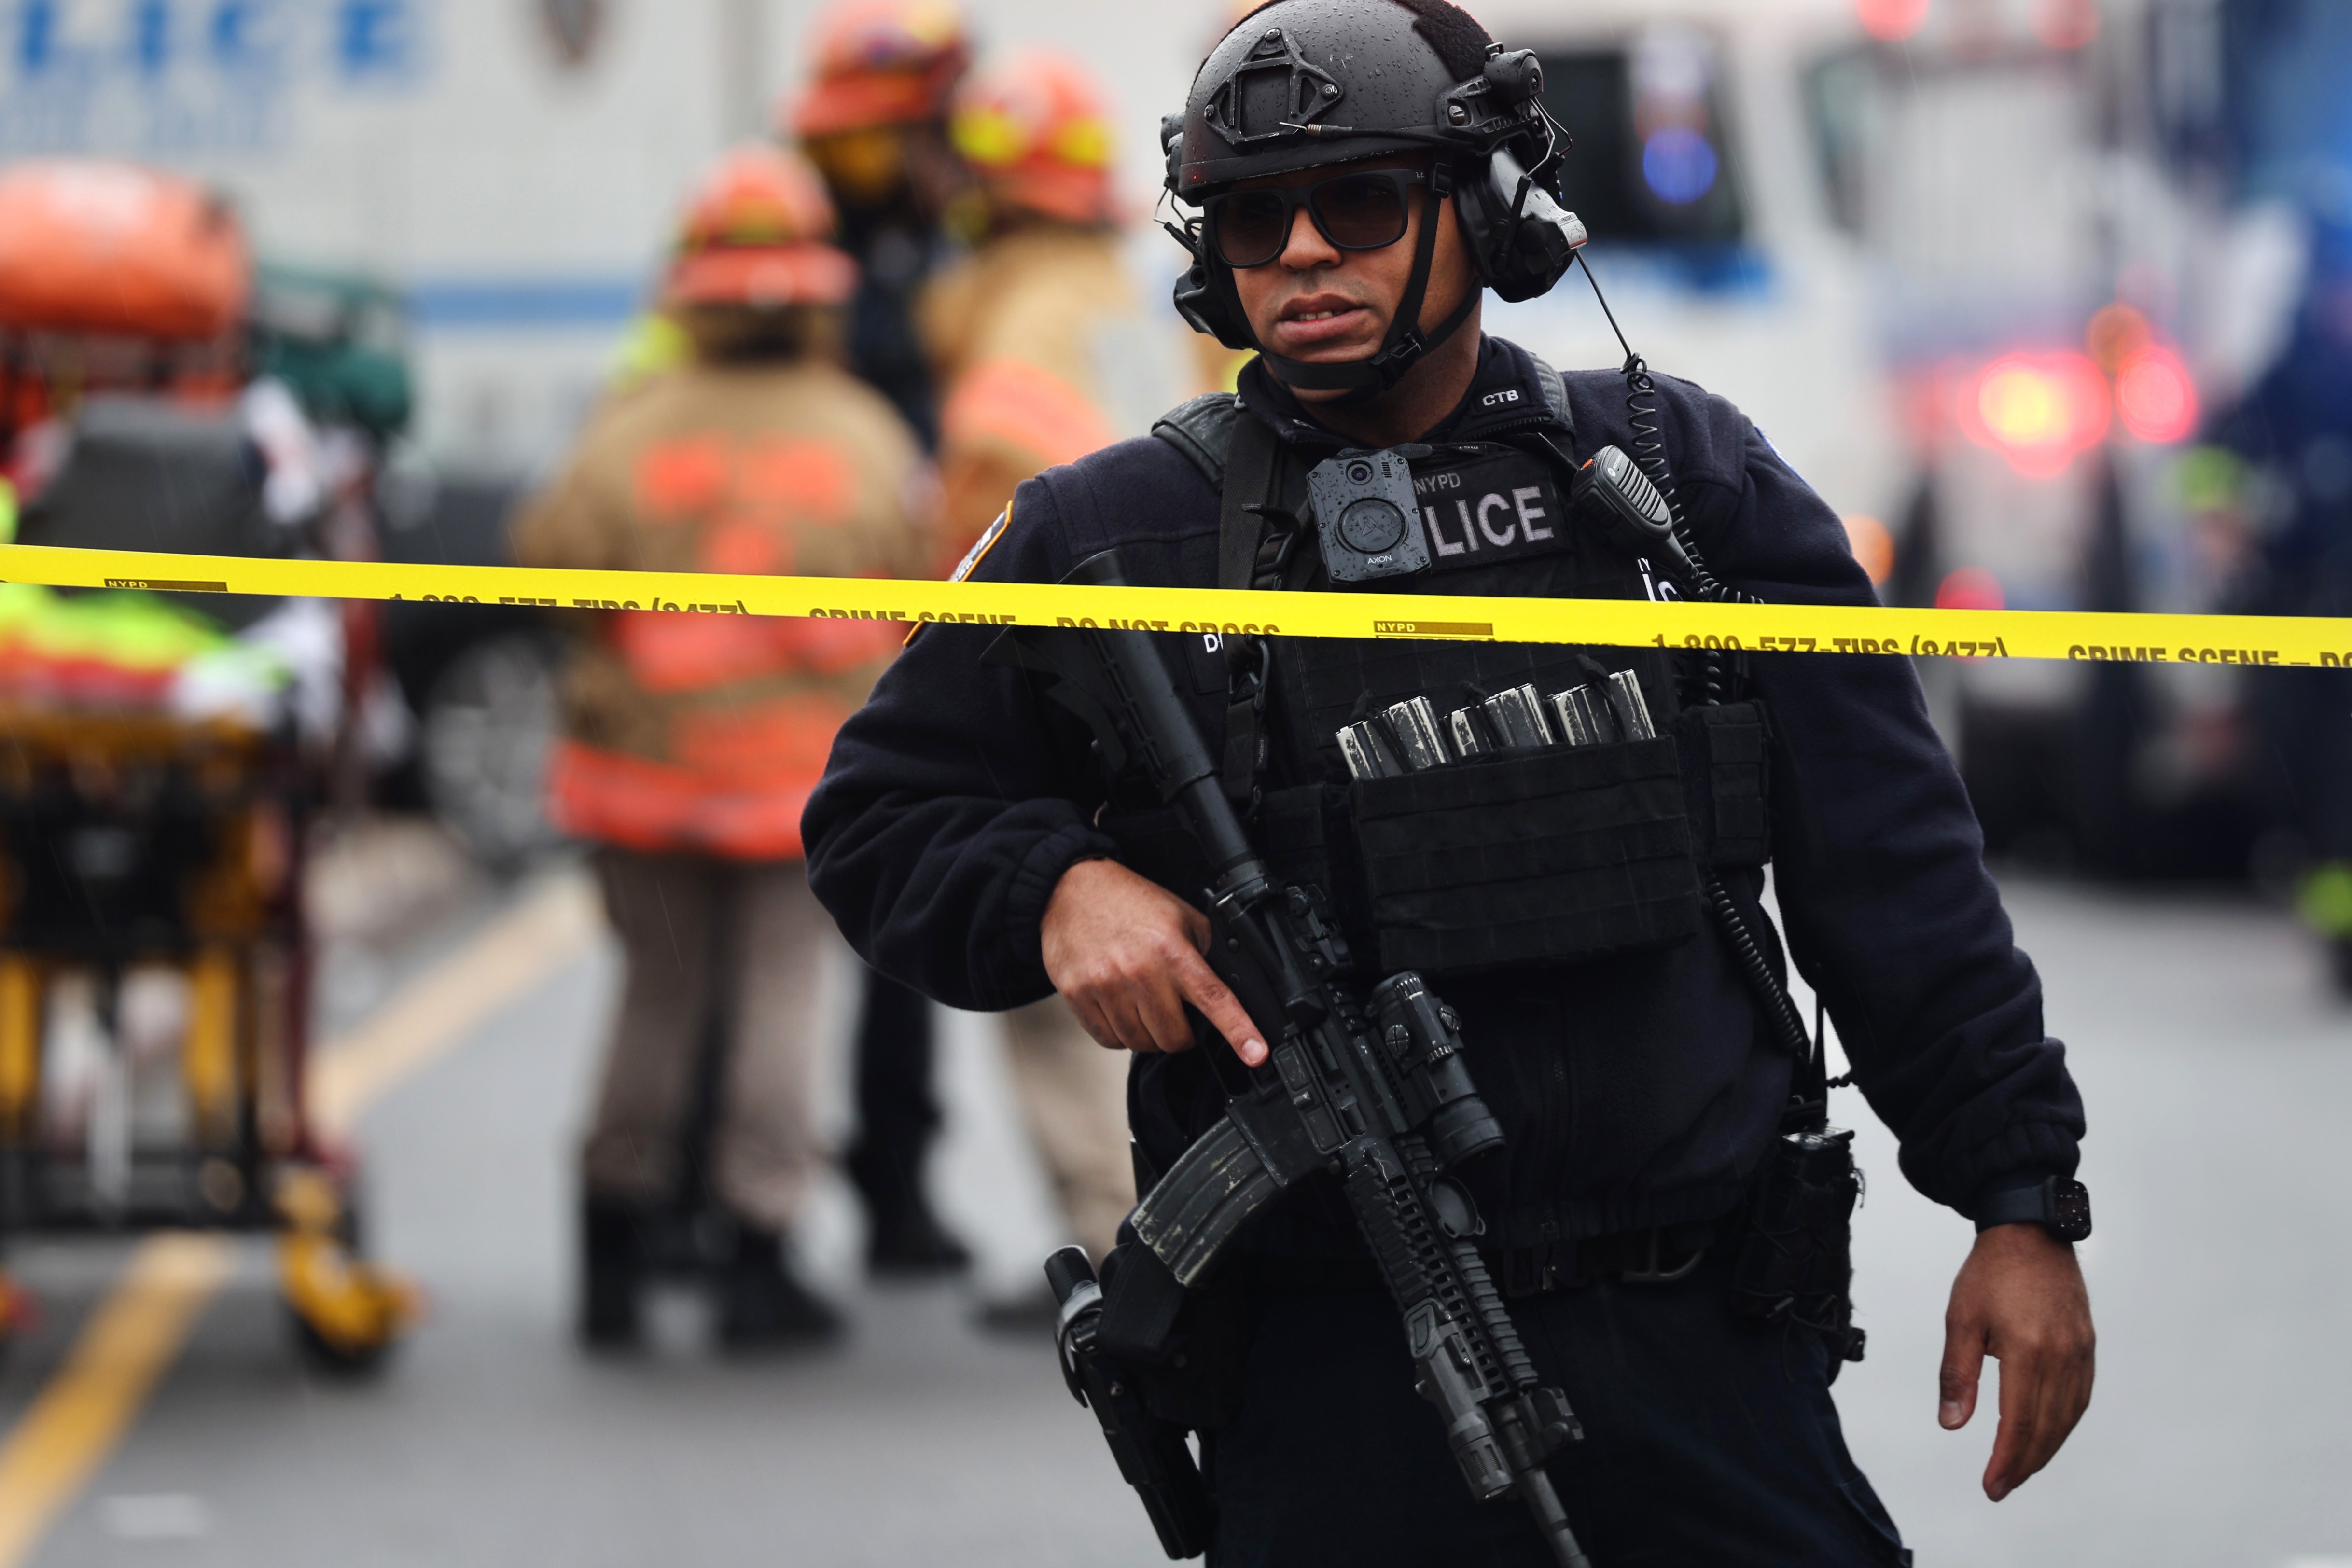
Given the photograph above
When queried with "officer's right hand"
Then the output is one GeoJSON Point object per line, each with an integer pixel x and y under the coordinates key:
{"type": "Point", "coordinates": [1126, 953]}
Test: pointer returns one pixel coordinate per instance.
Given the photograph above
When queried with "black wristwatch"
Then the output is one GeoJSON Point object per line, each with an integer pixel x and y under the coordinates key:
{"type": "Point", "coordinates": [2059, 1205]}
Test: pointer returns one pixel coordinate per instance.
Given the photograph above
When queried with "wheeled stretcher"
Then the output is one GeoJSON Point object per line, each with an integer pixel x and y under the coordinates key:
{"type": "Point", "coordinates": [158, 765]}
{"type": "Point", "coordinates": [154, 990]}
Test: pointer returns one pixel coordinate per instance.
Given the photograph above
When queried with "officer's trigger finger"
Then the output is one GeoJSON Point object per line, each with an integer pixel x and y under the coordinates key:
{"type": "Point", "coordinates": [1222, 1008]}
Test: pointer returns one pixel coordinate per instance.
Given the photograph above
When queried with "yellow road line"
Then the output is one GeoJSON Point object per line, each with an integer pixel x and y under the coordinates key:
{"type": "Point", "coordinates": [425, 1022]}
{"type": "Point", "coordinates": [94, 1399]}
{"type": "Point", "coordinates": [80, 1417]}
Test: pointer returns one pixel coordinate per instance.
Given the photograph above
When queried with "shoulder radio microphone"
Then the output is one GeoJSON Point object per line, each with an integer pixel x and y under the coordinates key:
{"type": "Point", "coordinates": [1613, 492]}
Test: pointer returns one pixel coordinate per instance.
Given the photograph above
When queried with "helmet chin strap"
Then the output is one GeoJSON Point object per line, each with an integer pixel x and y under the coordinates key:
{"type": "Point", "coordinates": [1406, 344]}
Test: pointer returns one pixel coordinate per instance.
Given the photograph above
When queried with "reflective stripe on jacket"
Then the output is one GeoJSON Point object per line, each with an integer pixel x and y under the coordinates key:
{"type": "Point", "coordinates": [1044, 354]}
{"type": "Point", "coordinates": [706, 732]}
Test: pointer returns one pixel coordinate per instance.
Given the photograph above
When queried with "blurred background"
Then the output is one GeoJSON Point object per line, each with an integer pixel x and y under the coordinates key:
{"type": "Point", "coordinates": [2051, 300]}
{"type": "Point", "coordinates": [1892, 230]}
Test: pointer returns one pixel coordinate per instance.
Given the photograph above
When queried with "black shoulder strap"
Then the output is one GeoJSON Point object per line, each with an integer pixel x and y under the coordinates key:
{"type": "Point", "coordinates": [1250, 472]}
{"type": "Point", "coordinates": [1211, 433]}
{"type": "Point", "coordinates": [1200, 430]}
{"type": "Point", "coordinates": [1555, 394]}
{"type": "Point", "coordinates": [1238, 456]}
{"type": "Point", "coordinates": [1558, 446]}
{"type": "Point", "coordinates": [1252, 464]}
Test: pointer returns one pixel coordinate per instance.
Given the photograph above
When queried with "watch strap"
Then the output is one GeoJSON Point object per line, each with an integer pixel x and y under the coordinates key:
{"type": "Point", "coordinates": [2059, 1205]}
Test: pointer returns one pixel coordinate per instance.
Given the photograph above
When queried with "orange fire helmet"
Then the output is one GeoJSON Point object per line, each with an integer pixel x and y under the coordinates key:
{"type": "Point", "coordinates": [1035, 129]}
{"type": "Point", "coordinates": [881, 63]}
{"type": "Point", "coordinates": [756, 234]}
{"type": "Point", "coordinates": [93, 247]}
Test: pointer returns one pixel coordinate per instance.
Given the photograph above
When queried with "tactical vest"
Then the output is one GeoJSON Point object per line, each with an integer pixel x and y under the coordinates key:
{"type": "Point", "coordinates": [1536, 856]}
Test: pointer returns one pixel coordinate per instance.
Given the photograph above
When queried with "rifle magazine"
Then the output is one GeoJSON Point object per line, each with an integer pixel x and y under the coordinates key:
{"type": "Point", "coordinates": [1199, 1206]}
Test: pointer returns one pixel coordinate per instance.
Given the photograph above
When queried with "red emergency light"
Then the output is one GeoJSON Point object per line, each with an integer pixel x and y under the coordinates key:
{"type": "Point", "coordinates": [1970, 587]}
{"type": "Point", "coordinates": [2040, 411]}
{"type": "Point", "coordinates": [2156, 397]}
{"type": "Point", "coordinates": [1891, 21]}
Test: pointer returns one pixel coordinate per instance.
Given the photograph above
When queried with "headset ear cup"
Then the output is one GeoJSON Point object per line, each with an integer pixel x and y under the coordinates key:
{"type": "Point", "coordinates": [1205, 298]}
{"type": "Point", "coordinates": [1475, 209]}
{"type": "Point", "coordinates": [1541, 260]}
{"type": "Point", "coordinates": [1536, 256]}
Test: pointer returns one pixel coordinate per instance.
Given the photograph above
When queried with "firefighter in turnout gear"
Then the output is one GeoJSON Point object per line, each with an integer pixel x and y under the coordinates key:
{"type": "Point", "coordinates": [873, 120]}
{"type": "Point", "coordinates": [1022, 334]}
{"type": "Point", "coordinates": [693, 733]}
{"type": "Point", "coordinates": [1025, 332]}
{"type": "Point", "coordinates": [1566, 844]}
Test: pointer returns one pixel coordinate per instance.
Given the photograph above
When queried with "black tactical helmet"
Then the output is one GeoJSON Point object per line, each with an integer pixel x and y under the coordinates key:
{"type": "Point", "coordinates": [1301, 84]}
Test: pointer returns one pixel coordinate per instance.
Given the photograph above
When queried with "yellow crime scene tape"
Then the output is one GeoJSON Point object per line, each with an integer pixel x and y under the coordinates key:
{"type": "Point", "coordinates": [2140, 638]}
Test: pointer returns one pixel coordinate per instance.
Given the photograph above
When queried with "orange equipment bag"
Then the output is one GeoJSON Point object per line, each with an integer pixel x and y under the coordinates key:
{"type": "Point", "coordinates": [94, 246]}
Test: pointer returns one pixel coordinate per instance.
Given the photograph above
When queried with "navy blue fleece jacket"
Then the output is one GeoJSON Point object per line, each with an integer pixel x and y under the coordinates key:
{"type": "Point", "coordinates": [1635, 1093]}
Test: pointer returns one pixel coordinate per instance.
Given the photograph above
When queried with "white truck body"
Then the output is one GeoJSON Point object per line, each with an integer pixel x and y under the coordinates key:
{"type": "Point", "coordinates": [451, 148]}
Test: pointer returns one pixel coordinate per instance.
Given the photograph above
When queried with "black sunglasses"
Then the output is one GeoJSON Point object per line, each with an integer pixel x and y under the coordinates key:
{"type": "Point", "coordinates": [1360, 210]}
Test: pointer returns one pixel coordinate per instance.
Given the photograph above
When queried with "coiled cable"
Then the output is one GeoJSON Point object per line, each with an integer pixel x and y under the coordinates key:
{"type": "Point", "coordinates": [1757, 970]}
{"type": "Point", "coordinates": [1649, 451]}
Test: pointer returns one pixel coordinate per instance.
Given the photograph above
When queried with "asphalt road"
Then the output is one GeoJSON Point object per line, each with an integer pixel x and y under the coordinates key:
{"type": "Point", "coordinates": [2216, 1071]}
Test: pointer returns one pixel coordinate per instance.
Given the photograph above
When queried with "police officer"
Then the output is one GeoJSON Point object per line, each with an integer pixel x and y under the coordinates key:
{"type": "Point", "coordinates": [693, 737]}
{"type": "Point", "coordinates": [1359, 164]}
{"type": "Point", "coordinates": [873, 119]}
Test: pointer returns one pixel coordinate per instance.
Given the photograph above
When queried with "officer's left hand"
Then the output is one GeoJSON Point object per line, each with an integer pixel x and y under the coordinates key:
{"type": "Point", "coordinates": [2021, 1300]}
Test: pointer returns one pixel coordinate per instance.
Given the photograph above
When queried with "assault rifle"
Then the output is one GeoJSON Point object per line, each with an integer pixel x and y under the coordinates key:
{"type": "Point", "coordinates": [1370, 1089]}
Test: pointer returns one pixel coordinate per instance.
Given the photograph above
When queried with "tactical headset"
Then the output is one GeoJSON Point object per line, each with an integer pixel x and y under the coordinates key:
{"type": "Point", "coordinates": [1306, 84]}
